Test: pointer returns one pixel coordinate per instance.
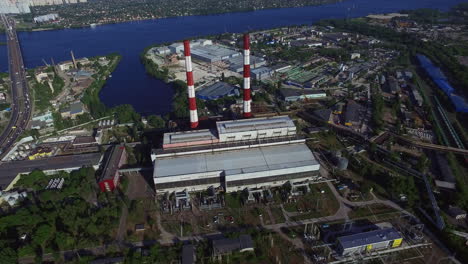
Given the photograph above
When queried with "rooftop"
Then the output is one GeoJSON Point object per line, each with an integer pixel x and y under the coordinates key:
{"type": "Point", "coordinates": [371, 237]}
{"type": "Point", "coordinates": [227, 245]}
{"type": "Point", "coordinates": [188, 136]}
{"type": "Point", "coordinates": [236, 161]}
{"type": "Point", "coordinates": [112, 163]}
{"type": "Point", "coordinates": [253, 124]}
{"type": "Point", "coordinates": [9, 170]}
{"type": "Point", "coordinates": [216, 90]}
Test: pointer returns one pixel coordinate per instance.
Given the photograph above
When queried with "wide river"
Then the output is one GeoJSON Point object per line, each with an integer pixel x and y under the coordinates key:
{"type": "Point", "coordinates": [130, 84]}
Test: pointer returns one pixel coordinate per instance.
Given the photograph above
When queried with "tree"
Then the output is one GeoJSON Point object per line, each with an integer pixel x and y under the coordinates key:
{"type": "Point", "coordinates": [156, 121]}
{"type": "Point", "coordinates": [43, 233]}
{"type": "Point", "coordinates": [8, 255]}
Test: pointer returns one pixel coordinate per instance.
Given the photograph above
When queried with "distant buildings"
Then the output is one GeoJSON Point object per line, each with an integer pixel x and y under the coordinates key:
{"type": "Point", "coordinates": [23, 6]}
{"type": "Point", "coordinates": [45, 18]}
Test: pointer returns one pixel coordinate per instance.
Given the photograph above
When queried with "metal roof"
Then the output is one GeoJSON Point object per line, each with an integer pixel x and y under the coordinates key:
{"type": "Point", "coordinates": [216, 90]}
{"type": "Point", "coordinates": [188, 136]}
{"type": "Point", "coordinates": [367, 238]}
{"type": "Point", "coordinates": [254, 124]}
{"type": "Point", "coordinates": [236, 161]}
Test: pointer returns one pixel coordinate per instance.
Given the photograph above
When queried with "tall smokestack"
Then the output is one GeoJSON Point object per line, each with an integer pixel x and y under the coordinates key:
{"type": "Point", "coordinates": [247, 99]}
{"type": "Point", "coordinates": [190, 86]}
{"type": "Point", "coordinates": [73, 59]}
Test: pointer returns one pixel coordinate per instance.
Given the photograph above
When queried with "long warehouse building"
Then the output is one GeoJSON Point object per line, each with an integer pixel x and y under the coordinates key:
{"type": "Point", "coordinates": [249, 153]}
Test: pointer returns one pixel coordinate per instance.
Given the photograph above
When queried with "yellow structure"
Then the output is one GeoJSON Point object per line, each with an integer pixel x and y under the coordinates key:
{"type": "Point", "coordinates": [40, 153]}
{"type": "Point", "coordinates": [397, 242]}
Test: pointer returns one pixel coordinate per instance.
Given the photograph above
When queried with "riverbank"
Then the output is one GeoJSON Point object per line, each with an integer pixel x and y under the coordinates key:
{"type": "Point", "coordinates": [73, 17]}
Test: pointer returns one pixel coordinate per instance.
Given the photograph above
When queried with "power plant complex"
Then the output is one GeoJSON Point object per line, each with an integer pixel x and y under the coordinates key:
{"type": "Point", "coordinates": [238, 154]}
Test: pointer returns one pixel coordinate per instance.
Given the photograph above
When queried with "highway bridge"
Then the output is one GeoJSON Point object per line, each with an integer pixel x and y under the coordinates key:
{"type": "Point", "coordinates": [20, 103]}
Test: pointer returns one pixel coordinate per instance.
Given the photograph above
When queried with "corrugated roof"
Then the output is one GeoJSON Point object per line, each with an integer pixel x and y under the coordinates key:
{"type": "Point", "coordinates": [254, 124]}
{"type": "Point", "coordinates": [367, 238]}
{"type": "Point", "coordinates": [237, 161]}
{"type": "Point", "coordinates": [188, 136]}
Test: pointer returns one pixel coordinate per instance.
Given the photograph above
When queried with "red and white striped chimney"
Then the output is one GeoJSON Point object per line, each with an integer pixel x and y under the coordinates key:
{"type": "Point", "coordinates": [247, 99]}
{"type": "Point", "coordinates": [190, 86]}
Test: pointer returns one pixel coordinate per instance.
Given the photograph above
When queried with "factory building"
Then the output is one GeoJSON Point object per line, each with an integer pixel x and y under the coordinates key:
{"type": "Point", "coordinates": [262, 73]}
{"type": "Point", "coordinates": [217, 90]}
{"type": "Point", "coordinates": [45, 18]}
{"type": "Point", "coordinates": [293, 95]}
{"type": "Point", "coordinates": [239, 154]}
{"type": "Point", "coordinates": [212, 53]}
{"type": "Point", "coordinates": [236, 64]}
{"type": "Point", "coordinates": [369, 241]}
{"type": "Point", "coordinates": [110, 174]}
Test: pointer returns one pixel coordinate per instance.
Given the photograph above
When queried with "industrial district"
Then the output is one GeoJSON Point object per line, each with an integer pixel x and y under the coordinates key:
{"type": "Point", "coordinates": [341, 142]}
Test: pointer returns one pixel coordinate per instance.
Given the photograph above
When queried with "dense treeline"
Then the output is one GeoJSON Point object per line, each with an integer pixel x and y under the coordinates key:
{"type": "Point", "coordinates": [154, 70]}
{"type": "Point", "coordinates": [56, 220]}
{"type": "Point", "coordinates": [103, 11]}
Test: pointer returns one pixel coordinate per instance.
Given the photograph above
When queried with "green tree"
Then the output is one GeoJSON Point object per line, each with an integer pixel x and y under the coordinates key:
{"type": "Point", "coordinates": [43, 233]}
{"type": "Point", "coordinates": [8, 255]}
{"type": "Point", "coordinates": [156, 121]}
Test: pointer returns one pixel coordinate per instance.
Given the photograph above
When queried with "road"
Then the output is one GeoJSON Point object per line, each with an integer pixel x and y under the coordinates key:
{"type": "Point", "coordinates": [20, 104]}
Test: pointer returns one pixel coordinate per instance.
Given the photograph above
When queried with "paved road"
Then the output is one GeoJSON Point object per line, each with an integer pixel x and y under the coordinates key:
{"type": "Point", "coordinates": [20, 106]}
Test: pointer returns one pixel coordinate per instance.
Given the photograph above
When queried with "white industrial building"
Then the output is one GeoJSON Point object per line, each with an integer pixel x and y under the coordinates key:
{"type": "Point", "coordinates": [45, 18]}
{"type": "Point", "coordinates": [240, 154]}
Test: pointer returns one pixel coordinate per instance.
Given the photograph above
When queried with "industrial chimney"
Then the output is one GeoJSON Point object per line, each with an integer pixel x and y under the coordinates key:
{"type": "Point", "coordinates": [247, 99]}
{"type": "Point", "coordinates": [190, 86]}
{"type": "Point", "coordinates": [73, 60]}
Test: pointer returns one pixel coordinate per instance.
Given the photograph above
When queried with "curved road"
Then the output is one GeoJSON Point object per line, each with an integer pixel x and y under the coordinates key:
{"type": "Point", "coordinates": [20, 105]}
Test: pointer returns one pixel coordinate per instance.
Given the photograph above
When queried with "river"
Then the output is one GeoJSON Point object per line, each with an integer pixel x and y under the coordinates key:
{"type": "Point", "coordinates": [130, 84]}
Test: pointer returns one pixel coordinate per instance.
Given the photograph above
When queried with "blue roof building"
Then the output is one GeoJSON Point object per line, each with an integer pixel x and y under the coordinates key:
{"type": "Point", "coordinates": [217, 90]}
